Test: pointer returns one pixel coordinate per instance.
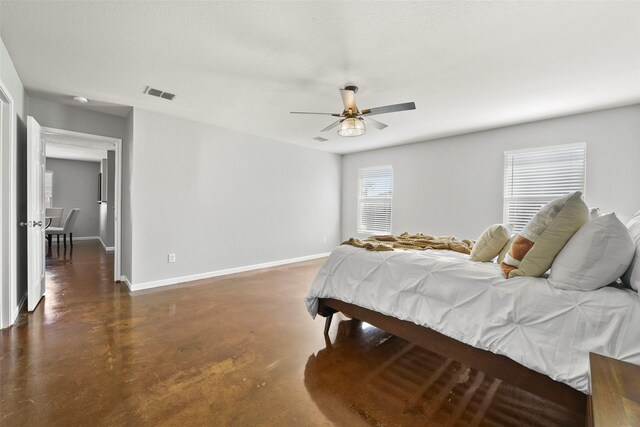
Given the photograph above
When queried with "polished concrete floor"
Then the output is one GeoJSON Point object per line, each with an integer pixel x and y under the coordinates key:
{"type": "Point", "coordinates": [238, 350]}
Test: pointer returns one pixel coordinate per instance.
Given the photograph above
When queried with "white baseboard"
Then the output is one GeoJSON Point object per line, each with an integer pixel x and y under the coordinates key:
{"type": "Point", "coordinates": [126, 282]}
{"type": "Point", "coordinates": [107, 248]}
{"type": "Point", "coordinates": [210, 274]}
{"type": "Point", "coordinates": [54, 240]}
{"type": "Point", "coordinates": [17, 309]}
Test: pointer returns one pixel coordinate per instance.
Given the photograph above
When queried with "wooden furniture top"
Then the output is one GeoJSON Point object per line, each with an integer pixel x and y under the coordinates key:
{"type": "Point", "coordinates": [615, 392]}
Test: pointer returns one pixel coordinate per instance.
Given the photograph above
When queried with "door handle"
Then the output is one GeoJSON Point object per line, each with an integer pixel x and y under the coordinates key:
{"type": "Point", "coordinates": [31, 224]}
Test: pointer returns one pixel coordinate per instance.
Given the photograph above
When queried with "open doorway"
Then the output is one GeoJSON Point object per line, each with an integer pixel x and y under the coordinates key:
{"type": "Point", "coordinates": [82, 185]}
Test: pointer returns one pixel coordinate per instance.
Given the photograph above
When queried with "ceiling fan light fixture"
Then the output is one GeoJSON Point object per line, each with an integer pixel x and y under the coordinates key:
{"type": "Point", "coordinates": [351, 126]}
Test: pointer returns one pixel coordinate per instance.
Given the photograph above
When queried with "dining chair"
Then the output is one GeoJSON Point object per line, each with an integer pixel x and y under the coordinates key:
{"type": "Point", "coordinates": [67, 228]}
{"type": "Point", "coordinates": [55, 214]}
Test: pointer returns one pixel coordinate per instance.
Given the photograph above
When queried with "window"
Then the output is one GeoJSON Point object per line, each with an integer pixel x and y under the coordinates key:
{"type": "Point", "coordinates": [375, 188]}
{"type": "Point", "coordinates": [534, 177]}
{"type": "Point", "coordinates": [48, 189]}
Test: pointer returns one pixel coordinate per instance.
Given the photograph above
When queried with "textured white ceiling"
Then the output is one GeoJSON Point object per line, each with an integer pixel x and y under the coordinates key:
{"type": "Point", "coordinates": [245, 65]}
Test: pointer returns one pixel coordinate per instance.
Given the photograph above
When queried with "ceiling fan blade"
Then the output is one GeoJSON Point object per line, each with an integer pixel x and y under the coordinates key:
{"type": "Point", "coordinates": [376, 124]}
{"type": "Point", "coordinates": [389, 109]}
{"type": "Point", "coordinates": [331, 126]}
{"type": "Point", "coordinates": [349, 100]}
{"type": "Point", "coordinates": [324, 114]}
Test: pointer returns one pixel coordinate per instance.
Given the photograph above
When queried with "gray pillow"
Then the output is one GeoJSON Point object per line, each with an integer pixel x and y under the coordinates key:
{"type": "Point", "coordinates": [533, 250]}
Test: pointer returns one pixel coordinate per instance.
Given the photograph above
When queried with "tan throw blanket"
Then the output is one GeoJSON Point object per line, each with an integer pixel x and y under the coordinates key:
{"type": "Point", "coordinates": [417, 241]}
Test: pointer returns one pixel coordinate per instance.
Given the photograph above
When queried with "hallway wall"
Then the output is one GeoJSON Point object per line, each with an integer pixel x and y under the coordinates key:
{"type": "Point", "coordinates": [59, 116]}
{"type": "Point", "coordinates": [75, 185]}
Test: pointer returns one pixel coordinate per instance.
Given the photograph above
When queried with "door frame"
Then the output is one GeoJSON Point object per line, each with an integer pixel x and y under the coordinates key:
{"type": "Point", "coordinates": [101, 141]}
{"type": "Point", "coordinates": [9, 307]}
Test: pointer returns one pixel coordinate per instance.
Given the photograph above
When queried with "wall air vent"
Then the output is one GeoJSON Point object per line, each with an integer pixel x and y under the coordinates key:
{"type": "Point", "coordinates": [158, 93]}
{"type": "Point", "coordinates": [319, 138]}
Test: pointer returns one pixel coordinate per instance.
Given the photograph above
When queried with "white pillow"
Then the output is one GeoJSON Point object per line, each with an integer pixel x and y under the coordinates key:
{"type": "Point", "coordinates": [597, 255]}
{"type": "Point", "coordinates": [490, 242]}
{"type": "Point", "coordinates": [632, 276]}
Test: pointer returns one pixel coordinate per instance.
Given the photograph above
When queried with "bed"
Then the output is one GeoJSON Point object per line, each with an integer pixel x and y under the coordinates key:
{"type": "Point", "coordinates": [521, 330]}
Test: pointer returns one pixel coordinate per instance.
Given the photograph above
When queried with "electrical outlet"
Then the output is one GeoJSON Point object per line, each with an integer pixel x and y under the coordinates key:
{"type": "Point", "coordinates": [172, 258]}
{"type": "Point", "coordinates": [324, 239]}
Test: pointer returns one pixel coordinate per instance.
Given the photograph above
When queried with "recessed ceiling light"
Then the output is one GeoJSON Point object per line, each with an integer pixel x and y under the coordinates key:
{"type": "Point", "coordinates": [80, 99]}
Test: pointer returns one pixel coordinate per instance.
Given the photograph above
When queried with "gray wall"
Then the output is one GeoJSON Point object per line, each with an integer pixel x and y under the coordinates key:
{"type": "Point", "coordinates": [455, 185]}
{"type": "Point", "coordinates": [15, 88]}
{"type": "Point", "coordinates": [107, 209]}
{"type": "Point", "coordinates": [75, 185]}
{"type": "Point", "coordinates": [59, 116]}
{"type": "Point", "coordinates": [221, 199]}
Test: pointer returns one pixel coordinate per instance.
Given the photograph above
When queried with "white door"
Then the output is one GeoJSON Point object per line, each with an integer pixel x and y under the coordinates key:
{"type": "Point", "coordinates": [35, 213]}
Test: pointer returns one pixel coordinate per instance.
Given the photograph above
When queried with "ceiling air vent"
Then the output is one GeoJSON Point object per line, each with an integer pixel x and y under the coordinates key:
{"type": "Point", "coordinates": [159, 94]}
{"type": "Point", "coordinates": [319, 138]}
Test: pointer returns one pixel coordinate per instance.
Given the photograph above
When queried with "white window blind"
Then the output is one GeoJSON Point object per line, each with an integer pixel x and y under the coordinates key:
{"type": "Point", "coordinates": [374, 200]}
{"type": "Point", "coordinates": [534, 177]}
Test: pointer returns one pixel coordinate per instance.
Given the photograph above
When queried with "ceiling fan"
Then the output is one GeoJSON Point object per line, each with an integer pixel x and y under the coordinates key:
{"type": "Point", "coordinates": [352, 121]}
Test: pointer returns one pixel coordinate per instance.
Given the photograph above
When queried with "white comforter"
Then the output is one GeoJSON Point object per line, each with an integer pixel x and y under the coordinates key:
{"type": "Point", "coordinates": [548, 330]}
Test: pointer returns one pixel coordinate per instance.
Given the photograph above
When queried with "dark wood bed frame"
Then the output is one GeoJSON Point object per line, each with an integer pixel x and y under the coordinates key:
{"type": "Point", "coordinates": [496, 365]}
